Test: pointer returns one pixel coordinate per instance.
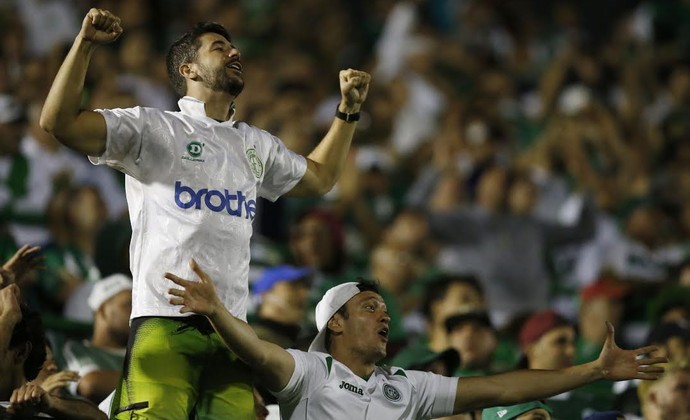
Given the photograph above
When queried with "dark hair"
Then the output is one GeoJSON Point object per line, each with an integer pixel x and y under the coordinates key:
{"type": "Point", "coordinates": [364, 285]}
{"type": "Point", "coordinates": [185, 49]}
{"type": "Point", "coordinates": [438, 288]}
{"type": "Point", "coordinates": [30, 330]}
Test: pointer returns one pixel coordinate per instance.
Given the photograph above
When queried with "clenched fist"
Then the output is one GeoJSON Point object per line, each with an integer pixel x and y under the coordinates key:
{"type": "Point", "coordinates": [354, 86]}
{"type": "Point", "coordinates": [100, 26]}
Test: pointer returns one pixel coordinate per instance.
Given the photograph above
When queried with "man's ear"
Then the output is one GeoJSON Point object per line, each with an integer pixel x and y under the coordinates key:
{"type": "Point", "coordinates": [335, 324]}
{"type": "Point", "coordinates": [21, 353]}
{"type": "Point", "coordinates": [187, 71]}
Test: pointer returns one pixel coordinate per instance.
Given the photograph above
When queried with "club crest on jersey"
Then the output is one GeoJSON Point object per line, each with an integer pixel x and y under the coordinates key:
{"type": "Point", "coordinates": [255, 163]}
{"type": "Point", "coordinates": [391, 392]}
{"type": "Point", "coordinates": [194, 150]}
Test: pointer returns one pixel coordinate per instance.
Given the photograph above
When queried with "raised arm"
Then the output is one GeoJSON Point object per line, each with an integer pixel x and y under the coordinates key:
{"type": "Point", "coordinates": [272, 363]}
{"type": "Point", "coordinates": [325, 163]}
{"type": "Point", "coordinates": [10, 315]}
{"type": "Point", "coordinates": [520, 386]}
{"type": "Point", "coordinates": [83, 131]}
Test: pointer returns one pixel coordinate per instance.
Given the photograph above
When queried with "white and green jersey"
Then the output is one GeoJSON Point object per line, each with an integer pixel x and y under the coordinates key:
{"type": "Point", "coordinates": [83, 358]}
{"type": "Point", "coordinates": [192, 184]}
{"type": "Point", "coordinates": [323, 388]}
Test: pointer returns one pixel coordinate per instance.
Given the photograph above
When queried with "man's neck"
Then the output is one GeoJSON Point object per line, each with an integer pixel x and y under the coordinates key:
{"type": "Point", "coordinates": [216, 104]}
{"type": "Point", "coordinates": [354, 362]}
{"type": "Point", "coordinates": [103, 340]}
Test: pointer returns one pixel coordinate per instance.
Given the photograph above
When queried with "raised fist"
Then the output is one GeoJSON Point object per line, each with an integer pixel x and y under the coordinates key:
{"type": "Point", "coordinates": [100, 26]}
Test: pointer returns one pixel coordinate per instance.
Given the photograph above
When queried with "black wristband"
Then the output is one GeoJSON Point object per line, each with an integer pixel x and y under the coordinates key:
{"type": "Point", "coordinates": [346, 117]}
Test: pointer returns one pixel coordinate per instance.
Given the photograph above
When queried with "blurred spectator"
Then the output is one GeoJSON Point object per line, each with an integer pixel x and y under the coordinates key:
{"type": "Point", "coordinates": [669, 396]}
{"type": "Point", "coordinates": [475, 339]}
{"type": "Point", "coordinates": [77, 214]}
{"type": "Point", "coordinates": [672, 339]}
{"type": "Point", "coordinates": [283, 292]}
{"type": "Point", "coordinates": [23, 350]}
{"type": "Point", "coordinates": [396, 271]}
{"type": "Point", "coordinates": [53, 167]}
{"type": "Point", "coordinates": [445, 296]}
{"type": "Point", "coordinates": [22, 341]}
{"type": "Point", "coordinates": [317, 241]}
{"type": "Point", "coordinates": [600, 301]}
{"type": "Point", "coordinates": [535, 410]}
{"type": "Point", "coordinates": [51, 378]}
{"type": "Point", "coordinates": [547, 340]}
{"type": "Point", "coordinates": [504, 244]}
{"type": "Point", "coordinates": [671, 303]}
{"type": "Point", "coordinates": [14, 167]}
{"type": "Point", "coordinates": [99, 361]}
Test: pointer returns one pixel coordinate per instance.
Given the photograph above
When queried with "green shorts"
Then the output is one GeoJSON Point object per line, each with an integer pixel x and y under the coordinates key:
{"type": "Point", "coordinates": [179, 368]}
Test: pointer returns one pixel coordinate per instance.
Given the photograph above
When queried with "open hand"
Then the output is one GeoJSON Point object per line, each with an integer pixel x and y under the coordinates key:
{"type": "Point", "coordinates": [354, 86]}
{"type": "Point", "coordinates": [196, 296]}
{"type": "Point", "coordinates": [26, 259]}
{"type": "Point", "coordinates": [100, 26]}
{"type": "Point", "coordinates": [617, 364]}
{"type": "Point", "coordinates": [59, 380]}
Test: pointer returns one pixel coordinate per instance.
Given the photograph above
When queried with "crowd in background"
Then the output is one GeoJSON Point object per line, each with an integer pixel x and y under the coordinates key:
{"type": "Point", "coordinates": [521, 168]}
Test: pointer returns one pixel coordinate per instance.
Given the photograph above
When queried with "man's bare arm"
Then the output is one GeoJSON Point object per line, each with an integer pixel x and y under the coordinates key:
{"type": "Point", "coordinates": [520, 386]}
{"type": "Point", "coordinates": [83, 131]}
{"type": "Point", "coordinates": [29, 399]}
{"type": "Point", "coordinates": [272, 363]}
{"type": "Point", "coordinates": [325, 163]}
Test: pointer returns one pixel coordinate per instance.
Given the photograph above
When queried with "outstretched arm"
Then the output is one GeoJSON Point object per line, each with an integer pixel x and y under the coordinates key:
{"type": "Point", "coordinates": [325, 163]}
{"type": "Point", "coordinates": [519, 386]}
{"type": "Point", "coordinates": [272, 363]}
{"type": "Point", "coordinates": [83, 131]}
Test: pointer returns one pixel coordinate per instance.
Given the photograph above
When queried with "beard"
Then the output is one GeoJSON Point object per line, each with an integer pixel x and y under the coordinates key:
{"type": "Point", "coordinates": [218, 80]}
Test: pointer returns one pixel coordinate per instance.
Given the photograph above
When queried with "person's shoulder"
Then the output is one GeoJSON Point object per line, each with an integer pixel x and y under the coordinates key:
{"type": "Point", "coordinates": [313, 358]}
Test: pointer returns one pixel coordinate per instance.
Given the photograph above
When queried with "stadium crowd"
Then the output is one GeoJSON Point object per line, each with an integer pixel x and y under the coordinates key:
{"type": "Point", "coordinates": [520, 175]}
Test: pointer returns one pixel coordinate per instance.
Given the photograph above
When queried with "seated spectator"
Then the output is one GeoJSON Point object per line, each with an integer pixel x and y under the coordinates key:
{"type": "Point", "coordinates": [672, 340]}
{"type": "Point", "coordinates": [284, 294]}
{"type": "Point", "coordinates": [22, 353]}
{"type": "Point", "coordinates": [535, 410]}
{"type": "Point", "coordinates": [99, 361]}
{"type": "Point", "coordinates": [601, 300]}
{"type": "Point", "coordinates": [50, 378]}
{"type": "Point", "coordinates": [444, 297]}
{"type": "Point", "coordinates": [669, 396]}
{"type": "Point", "coordinates": [474, 337]}
{"type": "Point", "coordinates": [547, 340]}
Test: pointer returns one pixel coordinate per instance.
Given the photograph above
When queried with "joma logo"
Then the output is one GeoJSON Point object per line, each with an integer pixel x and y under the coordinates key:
{"type": "Point", "coordinates": [352, 388]}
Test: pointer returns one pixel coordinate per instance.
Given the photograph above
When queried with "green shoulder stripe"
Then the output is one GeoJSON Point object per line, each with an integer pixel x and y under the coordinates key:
{"type": "Point", "coordinates": [329, 363]}
{"type": "Point", "coordinates": [400, 372]}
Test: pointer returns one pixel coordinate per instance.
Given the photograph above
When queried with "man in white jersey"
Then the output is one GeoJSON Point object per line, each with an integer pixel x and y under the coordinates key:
{"type": "Point", "coordinates": [192, 184]}
{"type": "Point", "coordinates": [338, 377]}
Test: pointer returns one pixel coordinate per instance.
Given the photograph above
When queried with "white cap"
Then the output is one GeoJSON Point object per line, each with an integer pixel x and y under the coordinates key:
{"type": "Point", "coordinates": [106, 288]}
{"type": "Point", "coordinates": [331, 301]}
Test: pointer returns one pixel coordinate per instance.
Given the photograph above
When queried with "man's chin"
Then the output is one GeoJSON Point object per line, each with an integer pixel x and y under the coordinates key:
{"type": "Point", "coordinates": [236, 87]}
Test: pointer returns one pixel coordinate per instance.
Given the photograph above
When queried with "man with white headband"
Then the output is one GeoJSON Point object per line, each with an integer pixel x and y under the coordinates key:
{"type": "Point", "coordinates": [338, 378]}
